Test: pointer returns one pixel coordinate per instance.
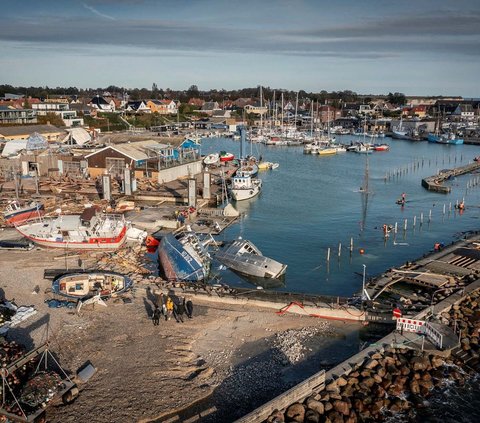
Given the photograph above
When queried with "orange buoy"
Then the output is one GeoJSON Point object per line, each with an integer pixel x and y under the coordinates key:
{"type": "Point", "coordinates": [361, 251]}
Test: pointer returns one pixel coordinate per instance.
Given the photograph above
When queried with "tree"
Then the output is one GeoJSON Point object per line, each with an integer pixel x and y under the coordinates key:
{"type": "Point", "coordinates": [154, 91]}
{"type": "Point", "coordinates": [398, 99]}
{"type": "Point", "coordinates": [193, 92]}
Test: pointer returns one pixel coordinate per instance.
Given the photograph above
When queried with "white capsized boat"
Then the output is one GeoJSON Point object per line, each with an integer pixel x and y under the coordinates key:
{"type": "Point", "coordinates": [244, 257]}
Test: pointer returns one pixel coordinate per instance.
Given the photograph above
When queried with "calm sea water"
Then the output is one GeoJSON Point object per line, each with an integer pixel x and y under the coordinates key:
{"type": "Point", "coordinates": [312, 203]}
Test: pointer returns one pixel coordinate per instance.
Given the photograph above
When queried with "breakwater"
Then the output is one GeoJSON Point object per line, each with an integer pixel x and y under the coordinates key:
{"type": "Point", "coordinates": [392, 377]}
{"type": "Point", "coordinates": [435, 182]}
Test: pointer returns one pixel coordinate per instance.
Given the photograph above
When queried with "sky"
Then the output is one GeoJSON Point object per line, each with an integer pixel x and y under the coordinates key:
{"type": "Point", "coordinates": [417, 47]}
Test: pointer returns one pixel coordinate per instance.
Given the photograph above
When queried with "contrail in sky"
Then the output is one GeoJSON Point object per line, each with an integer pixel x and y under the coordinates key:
{"type": "Point", "coordinates": [93, 10]}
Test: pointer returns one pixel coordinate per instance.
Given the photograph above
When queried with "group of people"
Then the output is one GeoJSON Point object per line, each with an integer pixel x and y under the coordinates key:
{"type": "Point", "coordinates": [166, 306]}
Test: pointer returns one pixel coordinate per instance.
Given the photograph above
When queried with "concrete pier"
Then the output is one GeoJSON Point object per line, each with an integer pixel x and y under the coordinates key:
{"type": "Point", "coordinates": [435, 182]}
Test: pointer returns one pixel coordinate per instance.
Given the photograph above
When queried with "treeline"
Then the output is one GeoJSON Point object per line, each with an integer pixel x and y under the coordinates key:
{"type": "Point", "coordinates": [323, 97]}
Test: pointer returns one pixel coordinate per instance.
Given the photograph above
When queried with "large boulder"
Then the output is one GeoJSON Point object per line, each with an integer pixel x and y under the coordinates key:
{"type": "Point", "coordinates": [342, 407]}
{"type": "Point", "coordinates": [296, 412]}
{"type": "Point", "coordinates": [316, 406]}
{"type": "Point", "coordinates": [312, 416]}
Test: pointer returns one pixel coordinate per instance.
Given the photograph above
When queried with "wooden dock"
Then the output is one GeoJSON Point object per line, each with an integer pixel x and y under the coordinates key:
{"type": "Point", "coordinates": [435, 182]}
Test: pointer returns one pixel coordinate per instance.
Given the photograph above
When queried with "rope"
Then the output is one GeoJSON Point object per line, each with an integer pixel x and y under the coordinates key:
{"type": "Point", "coordinates": [283, 310]}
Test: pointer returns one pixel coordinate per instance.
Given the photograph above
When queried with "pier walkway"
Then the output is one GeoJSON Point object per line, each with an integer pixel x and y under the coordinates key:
{"type": "Point", "coordinates": [435, 182]}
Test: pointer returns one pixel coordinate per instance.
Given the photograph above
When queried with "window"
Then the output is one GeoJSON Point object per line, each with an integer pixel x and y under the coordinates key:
{"type": "Point", "coordinates": [115, 166]}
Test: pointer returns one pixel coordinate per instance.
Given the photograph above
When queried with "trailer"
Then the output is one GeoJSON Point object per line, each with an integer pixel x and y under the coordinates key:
{"type": "Point", "coordinates": [41, 360]}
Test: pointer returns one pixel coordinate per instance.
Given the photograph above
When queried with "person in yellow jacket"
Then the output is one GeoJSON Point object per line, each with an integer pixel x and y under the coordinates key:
{"type": "Point", "coordinates": [169, 308]}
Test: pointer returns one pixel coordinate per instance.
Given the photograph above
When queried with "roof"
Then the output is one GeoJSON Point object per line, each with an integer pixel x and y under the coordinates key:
{"type": "Point", "coordinates": [137, 151]}
{"type": "Point", "coordinates": [98, 100]}
{"type": "Point", "coordinates": [7, 131]}
{"type": "Point", "coordinates": [80, 136]}
{"type": "Point", "coordinates": [12, 147]}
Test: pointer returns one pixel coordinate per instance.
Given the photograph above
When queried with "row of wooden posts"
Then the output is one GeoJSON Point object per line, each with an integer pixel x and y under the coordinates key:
{"type": "Point", "coordinates": [415, 165]}
{"type": "Point", "coordinates": [395, 227]}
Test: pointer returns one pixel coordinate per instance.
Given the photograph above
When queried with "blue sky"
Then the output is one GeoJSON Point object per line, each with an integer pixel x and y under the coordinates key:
{"type": "Point", "coordinates": [419, 47]}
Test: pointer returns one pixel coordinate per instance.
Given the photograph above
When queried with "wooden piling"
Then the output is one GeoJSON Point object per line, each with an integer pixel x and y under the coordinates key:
{"type": "Point", "coordinates": [405, 225]}
{"type": "Point", "coordinates": [396, 227]}
{"type": "Point", "coordinates": [414, 221]}
{"type": "Point", "coordinates": [339, 249]}
{"type": "Point", "coordinates": [430, 215]}
{"type": "Point", "coordinates": [328, 254]}
{"type": "Point", "coordinates": [421, 218]}
{"type": "Point", "coordinates": [351, 244]}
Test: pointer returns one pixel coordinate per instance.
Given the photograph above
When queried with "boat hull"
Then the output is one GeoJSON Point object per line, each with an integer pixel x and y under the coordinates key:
{"type": "Point", "coordinates": [103, 244]}
{"type": "Point", "coordinates": [59, 284]}
{"type": "Point", "coordinates": [21, 216]}
{"type": "Point", "coordinates": [177, 263]}
{"type": "Point", "coordinates": [240, 194]}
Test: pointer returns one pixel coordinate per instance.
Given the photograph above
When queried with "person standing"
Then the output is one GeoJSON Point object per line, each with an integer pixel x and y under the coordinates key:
{"type": "Point", "coordinates": [169, 308]}
{"type": "Point", "coordinates": [156, 316]}
{"type": "Point", "coordinates": [188, 308]}
{"type": "Point", "coordinates": [178, 311]}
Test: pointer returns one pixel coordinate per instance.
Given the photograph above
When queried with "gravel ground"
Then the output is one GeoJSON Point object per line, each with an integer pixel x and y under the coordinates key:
{"type": "Point", "coordinates": [225, 355]}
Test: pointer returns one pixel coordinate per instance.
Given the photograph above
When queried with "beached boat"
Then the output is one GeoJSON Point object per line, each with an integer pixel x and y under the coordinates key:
{"type": "Point", "coordinates": [244, 186]}
{"type": "Point", "coordinates": [226, 157]}
{"type": "Point", "coordinates": [81, 285]}
{"type": "Point", "coordinates": [16, 214]}
{"type": "Point", "coordinates": [183, 256]}
{"type": "Point", "coordinates": [87, 231]}
{"type": "Point", "coordinates": [244, 257]}
{"type": "Point", "coordinates": [211, 159]}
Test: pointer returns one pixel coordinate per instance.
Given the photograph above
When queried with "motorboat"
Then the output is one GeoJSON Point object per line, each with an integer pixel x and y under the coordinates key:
{"type": "Point", "coordinates": [448, 138]}
{"type": "Point", "coordinates": [183, 256]}
{"type": "Point", "coordinates": [381, 147]}
{"type": "Point", "coordinates": [212, 159]}
{"type": "Point", "coordinates": [267, 165]}
{"type": "Point", "coordinates": [327, 151]}
{"type": "Point", "coordinates": [244, 257]}
{"type": "Point", "coordinates": [244, 186]}
{"type": "Point", "coordinates": [15, 213]}
{"type": "Point", "coordinates": [85, 284]}
{"type": "Point", "coordinates": [226, 157]}
{"type": "Point", "coordinates": [87, 231]}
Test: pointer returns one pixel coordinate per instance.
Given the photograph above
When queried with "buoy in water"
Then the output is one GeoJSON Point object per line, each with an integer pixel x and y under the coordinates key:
{"type": "Point", "coordinates": [361, 251]}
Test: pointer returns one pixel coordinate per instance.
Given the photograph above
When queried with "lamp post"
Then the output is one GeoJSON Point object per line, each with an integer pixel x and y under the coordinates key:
{"type": "Point", "coordinates": [363, 281]}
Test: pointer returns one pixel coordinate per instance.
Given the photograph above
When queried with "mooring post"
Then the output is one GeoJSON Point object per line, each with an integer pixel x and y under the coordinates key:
{"type": "Point", "coordinates": [395, 227]}
{"type": "Point", "coordinates": [450, 206]}
{"type": "Point", "coordinates": [351, 245]}
{"type": "Point", "coordinates": [339, 249]}
{"type": "Point", "coordinates": [328, 254]}
{"type": "Point", "coordinates": [414, 221]}
{"type": "Point", "coordinates": [405, 225]}
{"type": "Point", "coordinates": [443, 208]}
{"type": "Point", "coordinates": [430, 215]}
{"type": "Point", "coordinates": [421, 218]}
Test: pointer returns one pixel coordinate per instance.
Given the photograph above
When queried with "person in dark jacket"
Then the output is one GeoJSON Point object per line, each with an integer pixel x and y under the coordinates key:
{"type": "Point", "coordinates": [179, 311]}
{"type": "Point", "coordinates": [156, 316]}
{"type": "Point", "coordinates": [188, 307]}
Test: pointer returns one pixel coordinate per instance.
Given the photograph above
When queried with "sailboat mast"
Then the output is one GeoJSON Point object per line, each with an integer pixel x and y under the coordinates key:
{"type": "Point", "coordinates": [281, 114]}
{"type": "Point", "coordinates": [296, 109]}
{"type": "Point", "coordinates": [311, 117]}
{"type": "Point", "coordinates": [261, 110]}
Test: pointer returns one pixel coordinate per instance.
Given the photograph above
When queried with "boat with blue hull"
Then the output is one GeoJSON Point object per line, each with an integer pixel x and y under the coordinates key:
{"type": "Point", "coordinates": [183, 257]}
{"type": "Point", "coordinates": [449, 138]}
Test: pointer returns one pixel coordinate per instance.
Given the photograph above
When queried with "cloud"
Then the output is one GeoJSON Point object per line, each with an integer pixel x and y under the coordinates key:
{"type": "Point", "coordinates": [433, 35]}
{"type": "Point", "coordinates": [102, 15]}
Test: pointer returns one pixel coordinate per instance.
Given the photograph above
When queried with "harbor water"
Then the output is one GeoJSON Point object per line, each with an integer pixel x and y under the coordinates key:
{"type": "Point", "coordinates": [312, 203]}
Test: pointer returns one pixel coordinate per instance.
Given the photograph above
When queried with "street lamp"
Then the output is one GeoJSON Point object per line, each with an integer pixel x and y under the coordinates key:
{"type": "Point", "coordinates": [363, 281]}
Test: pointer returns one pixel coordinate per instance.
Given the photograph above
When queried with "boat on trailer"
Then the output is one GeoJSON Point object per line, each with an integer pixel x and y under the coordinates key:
{"type": "Point", "coordinates": [86, 284]}
{"type": "Point", "coordinates": [244, 257]}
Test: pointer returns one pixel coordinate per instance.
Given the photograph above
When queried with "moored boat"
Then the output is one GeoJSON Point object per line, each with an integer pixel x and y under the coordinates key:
{"type": "Point", "coordinates": [85, 284]}
{"type": "Point", "coordinates": [449, 138]}
{"type": "Point", "coordinates": [244, 186]}
{"type": "Point", "coordinates": [244, 257]}
{"type": "Point", "coordinates": [381, 147]}
{"type": "Point", "coordinates": [16, 214]}
{"type": "Point", "coordinates": [183, 256]}
{"type": "Point", "coordinates": [267, 165]}
{"type": "Point", "coordinates": [88, 231]}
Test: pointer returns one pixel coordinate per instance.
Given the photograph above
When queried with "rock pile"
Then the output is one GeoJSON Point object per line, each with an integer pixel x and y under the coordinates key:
{"type": "Point", "coordinates": [288, 346]}
{"type": "Point", "coordinates": [388, 383]}
{"type": "Point", "coordinates": [465, 317]}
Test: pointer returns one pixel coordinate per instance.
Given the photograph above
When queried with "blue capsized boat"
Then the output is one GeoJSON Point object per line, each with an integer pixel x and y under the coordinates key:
{"type": "Point", "coordinates": [183, 257]}
{"type": "Point", "coordinates": [449, 138]}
